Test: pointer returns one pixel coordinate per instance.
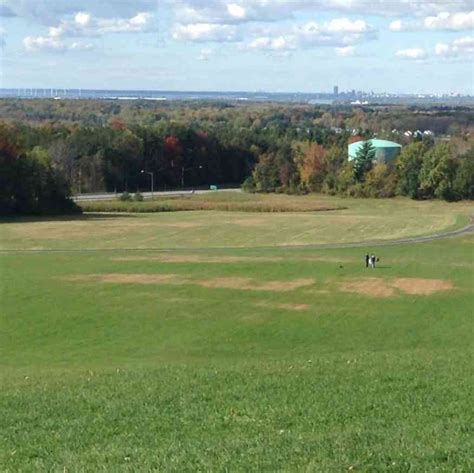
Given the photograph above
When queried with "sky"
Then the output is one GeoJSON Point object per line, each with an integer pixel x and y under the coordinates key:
{"type": "Point", "coordinates": [397, 46]}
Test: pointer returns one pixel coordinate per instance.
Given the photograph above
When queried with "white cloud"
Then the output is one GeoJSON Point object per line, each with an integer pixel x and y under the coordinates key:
{"type": "Point", "coordinates": [222, 12]}
{"type": "Point", "coordinates": [340, 32]}
{"type": "Point", "coordinates": [264, 42]}
{"type": "Point", "coordinates": [442, 49]}
{"type": "Point", "coordinates": [447, 21]}
{"type": "Point", "coordinates": [459, 47]}
{"type": "Point", "coordinates": [279, 43]}
{"type": "Point", "coordinates": [43, 43]}
{"type": "Point", "coordinates": [215, 20]}
{"type": "Point", "coordinates": [82, 19]}
{"type": "Point", "coordinates": [443, 21]}
{"type": "Point", "coordinates": [79, 46]}
{"type": "Point", "coordinates": [84, 24]}
{"type": "Point", "coordinates": [412, 54]}
{"type": "Point", "coordinates": [202, 32]}
{"type": "Point", "coordinates": [345, 25]}
{"type": "Point", "coordinates": [139, 23]}
{"type": "Point", "coordinates": [236, 11]}
{"type": "Point", "coordinates": [53, 44]}
{"type": "Point", "coordinates": [397, 25]}
{"type": "Point", "coordinates": [346, 51]}
{"type": "Point", "coordinates": [51, 12]}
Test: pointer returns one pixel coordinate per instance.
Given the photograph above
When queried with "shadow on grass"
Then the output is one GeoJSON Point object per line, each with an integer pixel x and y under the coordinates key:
{"type": "Point", "coordinates": [65, 218]}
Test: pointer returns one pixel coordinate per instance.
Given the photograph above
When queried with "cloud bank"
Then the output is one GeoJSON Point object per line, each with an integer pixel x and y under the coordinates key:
{"type": "Point", "coordinates": [443, 21]}
{"type": "Point", "coordinates": [83, 24]}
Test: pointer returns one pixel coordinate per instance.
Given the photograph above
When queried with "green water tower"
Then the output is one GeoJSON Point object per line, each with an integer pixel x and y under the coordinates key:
{"type": "Point", "coordinates": [385, 151]}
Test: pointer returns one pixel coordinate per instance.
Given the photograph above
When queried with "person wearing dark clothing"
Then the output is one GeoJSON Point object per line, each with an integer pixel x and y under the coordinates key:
{"type": "Point", "coordinates": [367, 258]}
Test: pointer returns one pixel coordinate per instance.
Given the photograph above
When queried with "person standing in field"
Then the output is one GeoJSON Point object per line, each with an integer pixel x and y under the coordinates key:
{"type": "Point", "coordinates": [372, 261]}
{"type": "Point", "coordinates": [367, 258]}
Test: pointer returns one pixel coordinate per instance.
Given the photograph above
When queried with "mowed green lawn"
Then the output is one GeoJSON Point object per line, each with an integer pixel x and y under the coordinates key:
{"type": "Point", "coordinates": [361, 219]}
{"type": "Point", "coordinates": [239, 359]}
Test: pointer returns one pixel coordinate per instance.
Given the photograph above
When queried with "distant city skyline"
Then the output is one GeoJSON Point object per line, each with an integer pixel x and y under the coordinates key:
{"type": "Point", "coordinates": [78, 91]}
{"type": "Point", "coordinates": [308, 46]}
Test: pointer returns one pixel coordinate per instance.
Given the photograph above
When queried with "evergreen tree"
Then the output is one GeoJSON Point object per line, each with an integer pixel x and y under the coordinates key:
{"type": "Point", "coordinates": [363, 161]}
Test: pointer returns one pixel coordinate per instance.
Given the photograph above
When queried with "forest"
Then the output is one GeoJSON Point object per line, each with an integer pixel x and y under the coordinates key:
{"type": "Point", "coordinates": [51, 149]}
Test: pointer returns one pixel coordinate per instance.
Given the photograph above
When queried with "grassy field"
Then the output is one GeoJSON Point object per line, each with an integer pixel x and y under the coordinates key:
{"type": "Point", "coordinates": [243, 359]}
{"type": "Point", "coordinates": [358, 220]}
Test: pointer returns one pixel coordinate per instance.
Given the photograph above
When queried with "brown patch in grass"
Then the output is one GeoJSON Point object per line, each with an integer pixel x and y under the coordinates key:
{"type": "Point", "coordinates": [285, 286]}
{"type": "Point", "coordinates": [274, 305]}
{"type": "Point", "coordinates": [227, 283]}
{"type": "Point", "coordinates": [123, 278]}
{"type": "Point", "coordinates": [198, 259]}
{"type": "Point", "coordinates": [422, 286]}
{"type": "Point", "coordinates": [81, 277]}
{"type": "Point", "coordinates": [369, 287]}
{"type": "Point", "coordinates": [252, 285]}
{"type": "Point", "coordinates": [241, 283]}
{"type": "Point", "coordinates": [142, 279]}
{"type": "Point", "coordinates": [382, 288]}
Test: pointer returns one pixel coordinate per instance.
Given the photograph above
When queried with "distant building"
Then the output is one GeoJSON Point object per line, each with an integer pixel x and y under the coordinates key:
{"type": "Point", "coordinates": [336, 90]}
{"type": "Point", "coordinates": [385, 151]}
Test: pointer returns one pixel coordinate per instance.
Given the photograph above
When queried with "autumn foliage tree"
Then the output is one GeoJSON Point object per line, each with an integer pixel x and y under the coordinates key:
{"type": "Point", "coordinates": [312, 165]}
{"type": "Point", "coordinates": [408, 165]}
{"type": "Point", "coordinates": [28, 182]}
{"type": "Point", "coordinates": [95, 146]}
{"type": "Point", "coordinates": [438, 173]}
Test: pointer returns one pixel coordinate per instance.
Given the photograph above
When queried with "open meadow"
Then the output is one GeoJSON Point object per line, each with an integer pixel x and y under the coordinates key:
{"type": "Point", "coordinates": [227, 340]}
{"type": "Point", "coordinates": [224, 220]}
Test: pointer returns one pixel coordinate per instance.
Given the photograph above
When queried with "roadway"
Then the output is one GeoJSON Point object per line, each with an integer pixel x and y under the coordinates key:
{"type": "Point", "coordinates": [147, 195]}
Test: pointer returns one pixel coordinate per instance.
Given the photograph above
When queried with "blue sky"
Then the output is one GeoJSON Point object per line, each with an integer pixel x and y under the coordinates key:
{"type": "Point", "coordinates": [419, 46]}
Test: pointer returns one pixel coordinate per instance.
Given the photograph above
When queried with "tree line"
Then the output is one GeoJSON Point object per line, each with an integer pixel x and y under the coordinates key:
{"type": "Point", "coordinates": [423, 170]}
{"type": "Point", "coordinates": [268, 147]}
{"type": "Point", "coordinates": [29, 183]}
{"type": "Point", "coordinates": [294, 118]}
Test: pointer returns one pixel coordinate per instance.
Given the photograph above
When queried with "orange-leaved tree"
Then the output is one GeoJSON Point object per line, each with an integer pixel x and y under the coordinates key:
{"type": "Point", "coordinates": [312, 166]}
